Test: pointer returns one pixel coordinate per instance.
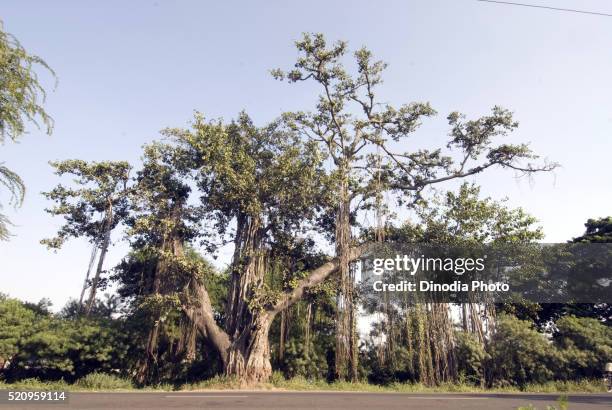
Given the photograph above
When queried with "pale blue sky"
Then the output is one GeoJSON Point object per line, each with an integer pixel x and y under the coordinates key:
{"type": "Point", "coordinates": [128, 69]}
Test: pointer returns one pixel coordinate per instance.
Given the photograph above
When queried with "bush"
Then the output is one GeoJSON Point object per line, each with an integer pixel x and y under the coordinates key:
{"type": "Point", "coordinates": [16, 322]}
{"type": "Point", "coordinates": [308, 364]}
{"type": "Point", "coordinates": [585, 346]}
{"type": "Point", "coordinates": [67, 349]}
{"type": "Point", "coordinates": [471, 358]}
{"type": "Point", "coordinates": [520, 355]}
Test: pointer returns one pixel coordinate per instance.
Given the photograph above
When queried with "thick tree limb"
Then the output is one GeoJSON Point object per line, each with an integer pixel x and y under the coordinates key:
{"type": "Point", "coordinates": [317, 276]}
{"type": "Point", "coordinates": [204, 320]}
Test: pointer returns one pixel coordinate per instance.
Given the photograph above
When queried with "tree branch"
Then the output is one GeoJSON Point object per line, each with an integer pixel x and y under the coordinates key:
{"type": "Point", "coordinates": [203, 318]}
{"type": "Point", "coordinates": [315, 277]}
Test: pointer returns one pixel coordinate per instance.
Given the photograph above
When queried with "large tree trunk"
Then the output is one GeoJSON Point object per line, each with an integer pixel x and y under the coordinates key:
{"type": "Point", "coordinates": [247, 273]}
{"type": "Point", "coordinates": [248, 357]}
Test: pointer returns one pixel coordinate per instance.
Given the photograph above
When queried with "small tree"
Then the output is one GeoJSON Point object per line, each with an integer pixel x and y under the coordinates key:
{"type": "Point", "coordinates": [92, 208]}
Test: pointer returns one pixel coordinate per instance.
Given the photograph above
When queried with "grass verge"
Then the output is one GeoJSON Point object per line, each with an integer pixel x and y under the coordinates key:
{"type": "Point", "coordinates": [105, 382]}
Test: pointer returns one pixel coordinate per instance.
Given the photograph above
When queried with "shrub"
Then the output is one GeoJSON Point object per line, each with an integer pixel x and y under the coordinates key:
{"type": "Point", "coordinates": [300, 362]}
{"type": "Point", "coordinates": [520, 355]}
{"type": "Point", "coordinates": [471, 358]}
{"type": "Point", "coordinates": [67, 349]}
{"type": "Point", "coordinates": [585, 346]}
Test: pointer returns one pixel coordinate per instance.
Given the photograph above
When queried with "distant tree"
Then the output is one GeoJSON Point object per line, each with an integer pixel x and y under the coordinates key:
{"type": "Point", "coordinates": [105, 308]}
{"type": "Point", "coordinates": [597, 231]}
{"type": "Point", "coordinates": [21, 99]}
{"type": "Point", "coordinates": [92, 207]}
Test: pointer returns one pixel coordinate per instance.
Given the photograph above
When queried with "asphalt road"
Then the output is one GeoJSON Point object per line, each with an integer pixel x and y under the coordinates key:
{"type": "Point", "coordinates": [316, 400]}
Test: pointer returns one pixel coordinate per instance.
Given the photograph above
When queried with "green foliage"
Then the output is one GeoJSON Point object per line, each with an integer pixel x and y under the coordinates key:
{"type": "Point", "coordinates": [67, 349]}
{"type": "Point", "coordinates": [16, 323]}
{"type": "Point", "coordinates": [519, 354]}
{"type": "Point", "coordinates": [597, 230]}
{"type": "Point", "coordinates": [585, 345]}
{"type": "Point", "coordinates": [103, 381]}
{"type": "Point", "coordinates": [258, 172]}
{"type": "Point", "coordinates": [303, 362]}
{"type": "Point", "coordinates": [464, 218]}
{"type": "Point", "coordinates": [396, 368]}
{"type": "Point", "coordinates": [102, 309]}
{"type": "Point", "coordinates": [471, 358]}
{"type": "Point", "coordinates": [98, 187]}
{"type": "Point", "coordinates": [142, 307]}
{"type": "Point", "coordinates": [39, 344]}
{"type": "Point", "coordinates": [37, 384]}
{"type": "Point", "coordinates": [21, 93]}
{"type": "Point", "coordinates": [135, 276]}
{"type": "Point", "coordinates": [21, 96]}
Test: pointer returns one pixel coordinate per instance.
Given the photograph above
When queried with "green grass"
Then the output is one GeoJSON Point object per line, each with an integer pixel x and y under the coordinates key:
{"type": "Point", "coordinates": [35, 384]}
{"type": "Point", "coordinates": [102, 381]}
{"type": "Point", "coordinates": [91, 382]}
{"type": "Point", "coordinates": [586, 386]}
{"type": "Point", "coordinates": [105, 382]}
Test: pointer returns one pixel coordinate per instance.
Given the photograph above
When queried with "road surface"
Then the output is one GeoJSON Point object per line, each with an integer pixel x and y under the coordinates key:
{"type": "Point", "coordinates": [317, 400]}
